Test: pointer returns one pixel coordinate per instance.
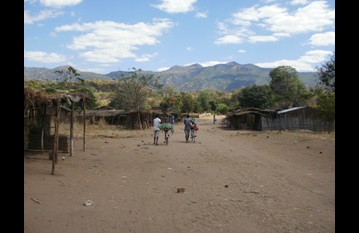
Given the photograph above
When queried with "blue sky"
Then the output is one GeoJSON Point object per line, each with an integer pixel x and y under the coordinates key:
{"type": "Point", "coordinates": [154, 35]}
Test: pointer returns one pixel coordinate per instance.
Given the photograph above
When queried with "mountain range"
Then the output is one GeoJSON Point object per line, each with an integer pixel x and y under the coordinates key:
{"type": "Point", "coordinates": [222, 77]}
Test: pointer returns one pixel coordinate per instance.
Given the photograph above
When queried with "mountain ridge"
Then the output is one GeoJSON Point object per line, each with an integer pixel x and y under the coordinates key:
{"type": "Point", "coordinates": [195, 77]}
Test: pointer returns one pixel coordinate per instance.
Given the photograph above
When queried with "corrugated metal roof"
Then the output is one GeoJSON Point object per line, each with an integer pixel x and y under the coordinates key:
{"type": "Point", "coordinates": [290, 109]}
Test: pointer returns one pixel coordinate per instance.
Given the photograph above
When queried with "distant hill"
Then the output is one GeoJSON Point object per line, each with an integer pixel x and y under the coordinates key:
{"type": "Point", "coordinates": [224, 77]}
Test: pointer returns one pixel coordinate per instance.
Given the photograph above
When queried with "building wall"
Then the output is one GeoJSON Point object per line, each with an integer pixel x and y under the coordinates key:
{"type": "Point", "coordinates": [35, 142]}
{"type": "Point", "coordinates": [301, 119]}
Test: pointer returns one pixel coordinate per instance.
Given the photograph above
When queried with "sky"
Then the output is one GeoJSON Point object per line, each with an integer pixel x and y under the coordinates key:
{"type": "Point", "coordinates": [155, 35]}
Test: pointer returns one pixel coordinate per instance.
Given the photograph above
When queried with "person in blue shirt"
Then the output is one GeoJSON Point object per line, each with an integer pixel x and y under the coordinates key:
{"type": "Point", "coordinates": [187, 126]}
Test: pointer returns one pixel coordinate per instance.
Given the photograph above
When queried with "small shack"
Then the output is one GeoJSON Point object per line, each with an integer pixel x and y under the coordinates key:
{"type": "Point", "coordinates": [249, 118]}
{"type": "Point", "coordinates": [120, 118]}
{"type": "Point", "coordinates": [43, 112]}
{"type": "Point", "coordinates": [297, 118]}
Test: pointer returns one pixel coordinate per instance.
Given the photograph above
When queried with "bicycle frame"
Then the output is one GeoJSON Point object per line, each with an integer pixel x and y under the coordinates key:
{"type": "Point", "coordinates": [193, 135]}
{"type": "Point", "coordinates": [166, 136]}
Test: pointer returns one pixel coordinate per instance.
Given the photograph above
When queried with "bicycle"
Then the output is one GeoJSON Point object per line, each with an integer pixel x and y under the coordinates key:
{"type": "Point", "coordinates": [166, 127]}
{"type": "Point", "coordinates": [166, 136]}
{"type": "Point", "coordinates": [194, 129]}
{"type": "Point", "coordinates": [193, 135]}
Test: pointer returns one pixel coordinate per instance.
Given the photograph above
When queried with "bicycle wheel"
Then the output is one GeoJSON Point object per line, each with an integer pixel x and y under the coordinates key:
{"type": "Point", "coordinates": [166, 137]}
{"type": "Point", "coordinates": [192, 136]}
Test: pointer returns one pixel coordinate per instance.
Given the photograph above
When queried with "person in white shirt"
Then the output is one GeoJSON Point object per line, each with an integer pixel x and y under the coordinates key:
{"type": "Point", "coordinates": [156, 129]}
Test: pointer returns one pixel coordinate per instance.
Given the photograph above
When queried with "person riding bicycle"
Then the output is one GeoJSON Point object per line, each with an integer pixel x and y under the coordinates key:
{"type": "Point", "coordinates": [187, 126]}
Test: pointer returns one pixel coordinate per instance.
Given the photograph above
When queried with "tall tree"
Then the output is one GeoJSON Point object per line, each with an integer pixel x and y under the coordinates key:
{"type": "Point", "coordinates": [133, 92]}
{"type": "Point", "coordinates": [327, 73]}
{"type": "Point", "coordinates": [256, 96]}
{"type": "Point", "coordinates": [288, 90]}
{"type": "Point", "coordinates": [188, 102]}
{"type": "Point", "coordinates": [325, 91]}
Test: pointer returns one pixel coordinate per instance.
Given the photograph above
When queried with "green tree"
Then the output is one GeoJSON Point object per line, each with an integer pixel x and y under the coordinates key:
{"type": "Point", "coordinates": [213, 105]}
{"type": "Point", "coordinates": [256, 96]}
{"type": "Point", "coordinates": [327, 73]}
{"type": "Point", "coordinates": [133, 93]}
{"type": "Point", "coordinates": [207, 100]}
{"type": "Point", "coordinates": [234, 100]}
{"type": "Point", "coordinates": [188, 102]}
{"type": "Point", "coordinates": [325, 92]}
{"type": "Point", "coordinates": [171, 104]}
{"type": "Point", "coordinates": [67, 75]}
{"type": "Point", "coordinates": [288, 90]}
{"type": "Point", "coordinates": [222, 108]}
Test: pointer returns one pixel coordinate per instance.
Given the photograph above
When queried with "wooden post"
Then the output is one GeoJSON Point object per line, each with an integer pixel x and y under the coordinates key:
{"type": "Point", "coordinates": [72, 129]}
{"type": "Point", "coordinates": [84, 122]}
{"type": "Point", "coordinates": [42, 127]}
{"type": "Point", "coordinates": [56, 136]}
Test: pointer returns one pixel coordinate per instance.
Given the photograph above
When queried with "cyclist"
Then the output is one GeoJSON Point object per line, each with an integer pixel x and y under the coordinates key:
{"type": "Point", "coordinates": [187, 126]}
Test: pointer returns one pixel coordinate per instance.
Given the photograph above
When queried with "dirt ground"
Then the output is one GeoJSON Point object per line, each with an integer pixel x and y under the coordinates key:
{"type": "Point", "coordinates": [227, 181]}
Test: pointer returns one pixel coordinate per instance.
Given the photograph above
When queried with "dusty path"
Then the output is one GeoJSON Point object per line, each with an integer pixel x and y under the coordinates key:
{"type": "Point", "coordinates": [234, 181]}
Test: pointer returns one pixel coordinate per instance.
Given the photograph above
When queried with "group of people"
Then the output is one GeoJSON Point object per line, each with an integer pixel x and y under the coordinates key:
{"type": "Point", "coordinates": [158, 126]}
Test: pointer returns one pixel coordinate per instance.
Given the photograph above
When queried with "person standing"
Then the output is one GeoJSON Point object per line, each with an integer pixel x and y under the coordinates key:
{"type": "Point", "coordinates": [187, 126]}
{"type": "Point", "coordinates": [156, 129]}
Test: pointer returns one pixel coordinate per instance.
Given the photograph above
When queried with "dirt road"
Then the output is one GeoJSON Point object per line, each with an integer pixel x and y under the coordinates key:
{"type": "Point", "coordinates": [233, 181]}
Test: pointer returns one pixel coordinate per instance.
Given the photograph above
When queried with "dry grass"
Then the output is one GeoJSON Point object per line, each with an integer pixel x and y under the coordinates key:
{"type": "Point", "coordinates": [102, 129]}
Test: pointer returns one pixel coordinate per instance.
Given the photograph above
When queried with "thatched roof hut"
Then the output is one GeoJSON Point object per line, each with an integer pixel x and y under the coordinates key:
{"type": "Point", "coordinates": [41, 109]}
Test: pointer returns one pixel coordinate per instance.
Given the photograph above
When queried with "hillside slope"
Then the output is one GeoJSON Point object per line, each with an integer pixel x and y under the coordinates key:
{"type": "Point", "coordinates": [223, 77]}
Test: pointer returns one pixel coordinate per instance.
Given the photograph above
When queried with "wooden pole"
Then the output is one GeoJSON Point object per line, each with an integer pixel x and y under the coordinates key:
{"type": "Point", "coordinates": [56, 136]}
{"type": "Point", "coordinates": [42, 127]}
{"type": "Point", "coordinates": [72, 129]}
{"type": "Point", "coordinates": [84, 122]}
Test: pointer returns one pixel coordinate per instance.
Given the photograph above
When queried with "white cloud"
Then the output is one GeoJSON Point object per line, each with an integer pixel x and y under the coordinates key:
{"type": "Point", "coordinates": [145, 57]}
{"type": "Point", "coordinates": [176, 6]}
{"type": "Point", "coordinates": [189, 49]}
{"type": "Point", "coordinates": [254, 39]}
{"type": "Point", "coordinates": [44, 57]}
{"type": "Point", "coordinates": [323, 39]}
{"type": "Point", "coordinates": [45, 14]}
{"type": "Point", "coordinates": [241, 51]}
{"type": "Point", "coordinates": [306, 63]}
{"type": "Point", "coordinates": [276, 22]}
{"type": "Point", "coordinates": [207, 63]}
{"type": "Point", "coordinates": [229, 39]}
{"type": "Point", "coordinates": [59, 3]}
{"type": "Point", "coordinates": [298, 2]}
{"type": "Point", "coordinates": [108, 41]}
{"type": "Point", "coordinates": [201, 15]}
{"type": "Point", "coordinates": [163, 69]}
